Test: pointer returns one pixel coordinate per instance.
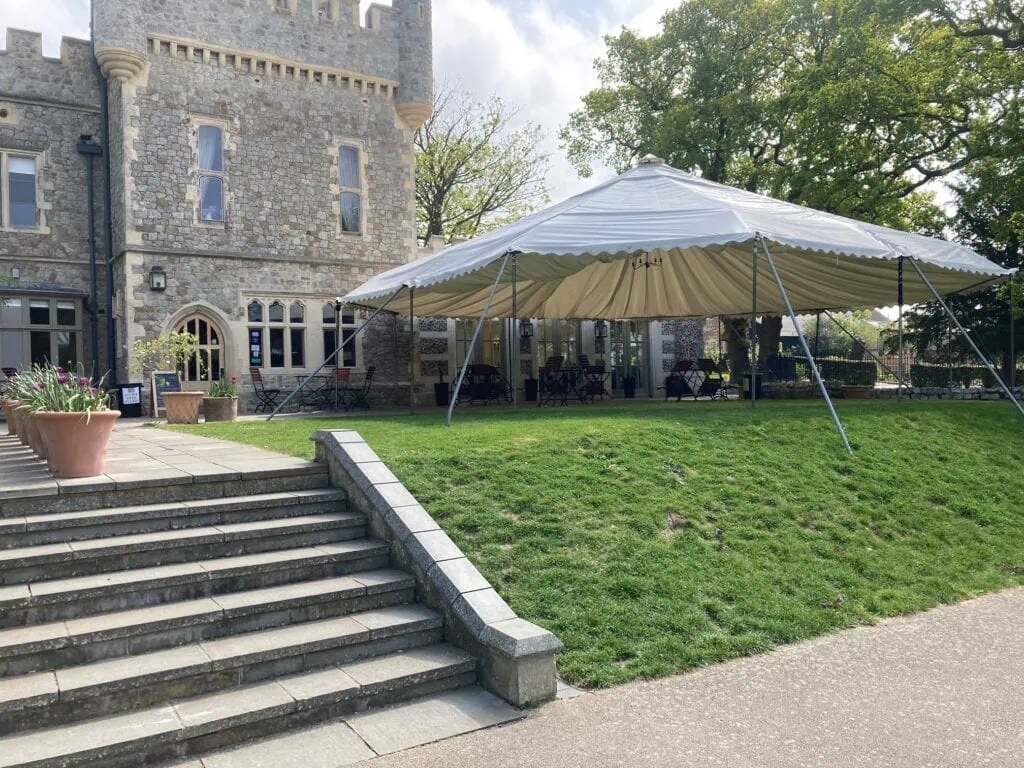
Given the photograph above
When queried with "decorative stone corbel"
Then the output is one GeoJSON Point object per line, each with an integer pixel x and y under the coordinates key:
{"type": "Point", "coordinates": [414, 114]}
{"type": "Point", "coordinates": [120, 64]}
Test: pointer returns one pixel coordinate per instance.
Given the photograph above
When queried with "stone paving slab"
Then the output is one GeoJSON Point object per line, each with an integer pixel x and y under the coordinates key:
{"type": "Point", "coordinates": [140, 457]}
{"type": "Point", "coordinates": [942, 689]}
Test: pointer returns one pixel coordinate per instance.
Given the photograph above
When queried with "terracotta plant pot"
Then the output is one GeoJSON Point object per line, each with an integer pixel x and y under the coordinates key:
{"type": "Point", "coordinates": [183, 407]}
{"type": "Point", "coordinates": [77, 441]}
{"type": "Point", "coordinates": [21, 414]}
{"type": "Point", "coordinates": [35, 437]}
{"type": "Point", "coordinates": [12, 424]}
{"type": "Point", "coordinates": [220, 408]}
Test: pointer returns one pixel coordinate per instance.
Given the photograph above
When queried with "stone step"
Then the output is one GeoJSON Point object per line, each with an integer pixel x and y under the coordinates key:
{"type": "Point", "coordinates": [92, 556]}
{"type": "Point", "coordinates": [35, 530]}
{"type": "Point", "coordinates": [49, 699]}
{"type": "Point", "coordinates": [55, 496]}
{"type": "Point", "coordinates": [124, 633]}
{"type": "Point", "coordinates": [191, 727]}
{"type": "Point", "coordinates": [72, 598]}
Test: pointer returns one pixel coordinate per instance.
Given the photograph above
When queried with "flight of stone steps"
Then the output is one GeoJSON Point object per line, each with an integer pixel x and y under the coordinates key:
{"type": "Point", "coordinates": [153, 624]}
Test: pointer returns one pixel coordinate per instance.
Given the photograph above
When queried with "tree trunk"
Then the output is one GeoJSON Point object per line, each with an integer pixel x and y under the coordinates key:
{"type": "Point", "coordinates": [771, 334]}
{"type": "Point", "coordinates": [737, 347]}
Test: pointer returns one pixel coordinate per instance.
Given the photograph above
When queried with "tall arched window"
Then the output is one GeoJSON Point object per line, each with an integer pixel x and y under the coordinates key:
{"type": "Point", "coordinates": [206, 364]}
{"type": "Point", "coordinates": [255, 312]}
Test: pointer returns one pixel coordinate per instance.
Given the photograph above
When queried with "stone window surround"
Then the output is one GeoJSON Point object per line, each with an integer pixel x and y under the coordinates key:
{"type": "Point", "coordinates": [198, 121]}
{"type": "Point", "coordinates": [352, 326]}
{"type": "Point", "coordinates": [277, 5]}
{"type": "Point", "coordinates": [313, 315]}
{"type": "Point", "coordinates": [40, 228]}
{"type": "Point", "coordinates": [363, 190]}
{"type": "Point", "coordinates": [53, 327]}
{"type": "Point", "coordinates": [265, 324]}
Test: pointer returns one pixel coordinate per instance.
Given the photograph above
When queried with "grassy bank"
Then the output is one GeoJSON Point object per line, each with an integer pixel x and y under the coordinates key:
{"type": "Point", "coordinates": [657, 537]}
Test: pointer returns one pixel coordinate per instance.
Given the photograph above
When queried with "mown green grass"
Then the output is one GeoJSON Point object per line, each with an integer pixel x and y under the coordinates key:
{"type": "Point", "coordinates": [655, 538]}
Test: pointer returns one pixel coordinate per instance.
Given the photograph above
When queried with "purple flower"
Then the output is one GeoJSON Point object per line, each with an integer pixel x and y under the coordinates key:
{"type": "Point", "coordinates": [83, 381]}
{"type": "Point", "coordinates": [59, 369]}
{"type": "Point", "coordinates": [92, 390]}
{"type": "Point", "coordinates": [62, 379]}
{"type": "Point", "coordinates": [37, 386]}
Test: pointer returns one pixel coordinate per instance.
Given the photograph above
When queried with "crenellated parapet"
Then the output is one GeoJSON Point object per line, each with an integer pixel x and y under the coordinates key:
{"type": "Point", "coordinates": [25, 73]}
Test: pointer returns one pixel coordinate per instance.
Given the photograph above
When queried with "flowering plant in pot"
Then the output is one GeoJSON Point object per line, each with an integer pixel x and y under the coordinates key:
{"type": "Point", "coordinates": [19, 392]}
{"type": "Point", "coordinates": [222, 402]}
{"type": "Point", "coordinates": [74, 420]}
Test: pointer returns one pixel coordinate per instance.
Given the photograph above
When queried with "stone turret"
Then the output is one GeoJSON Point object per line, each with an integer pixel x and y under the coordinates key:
{"type": "Point", "coordinates": [415, 54]}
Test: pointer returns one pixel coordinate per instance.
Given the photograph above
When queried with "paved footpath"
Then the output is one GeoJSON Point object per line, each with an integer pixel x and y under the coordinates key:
{"type": "Point", "coordinates": [943, 689]}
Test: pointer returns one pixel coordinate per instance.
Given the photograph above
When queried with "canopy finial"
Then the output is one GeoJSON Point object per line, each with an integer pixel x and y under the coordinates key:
{"type": "Point", "coordinates": [652, 160]}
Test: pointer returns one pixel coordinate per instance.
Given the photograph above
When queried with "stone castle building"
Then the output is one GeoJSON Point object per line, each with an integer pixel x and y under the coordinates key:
{"type": "Point", "coordinates": [241, 164]}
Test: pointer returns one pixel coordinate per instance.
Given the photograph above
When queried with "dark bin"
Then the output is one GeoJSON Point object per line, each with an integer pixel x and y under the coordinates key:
{"type": "Point", "coordinates": [530, 390]}
{"type": "Point", "coordinates": [442, 391]}
{"type": "Point", "coordinates": [129, 400]}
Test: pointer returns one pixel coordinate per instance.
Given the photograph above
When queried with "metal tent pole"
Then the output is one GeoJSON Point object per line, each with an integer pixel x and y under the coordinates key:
{"type": "Point", "coordinates": [338, 345]}
{"type": "Point", "coordinates": [817, 333]}
{"type": "Point", "coordinates": [967, 335]}
{"type": "Point", "coordinates": [899, 291]}
{"type": "Point", "coordinates": [803, 343]}
{"type": "Point", "coordinates": [753, 337]}
{"type": "Point", "coordinates": [334, 354]}
{"type": "Point", "coordinates": [476, 335]}
{"type": "Point", "coordinates": [1013, 339]}
{"type": "Point", "coordinates": [513, 343]}
{"type": "Point", "coordinates": [412, 353]}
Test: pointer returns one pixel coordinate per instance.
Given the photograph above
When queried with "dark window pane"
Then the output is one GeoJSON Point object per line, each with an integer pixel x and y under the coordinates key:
{"type": "Point", "coordinates": [66, 313]}
{"type": "Point", "coordinates": [277, 347]}
{"type": "Point", "coordinates": [349, 349]}
{"type": "Point", "coordinates": [40, 347]}
{"type": "Point", "coordinates": [211, 199]}
{"type": "Point", "coordinates": [21, 180]}
{"type": "Point", "coordinates": [39, 312]}
{"type": "Point", "coordinates": [350, 217]}
{"type": "Point", "coordinates": [349, 162]}
{"type": "Point", "coordinates": [276, 312]}
{"type": "Point", "coordinates": [192, 369]}
{"type": "Point", "coordinates": [203, 332]}
{"type": "Point", "coordinates": [256, 347]}
{"type": "Point", "coordinates": [211, 149]}
{"type": "Point", "coordinates": [215, 369]}
{"type": "Point", "coordinates": [297, 313]}
{"type": "Point", "coordinates": [298, 348]}
{"type": "Point", "coordinates": [255, 312]}
{"type": "Point", "coordinates": [330, 342]}
{"type": "Point", "coordinates": [329, 314]}
{"type": "Point", "coordinates": [67, 349]}
{"type": "Point", "coordinates": [348, 316]}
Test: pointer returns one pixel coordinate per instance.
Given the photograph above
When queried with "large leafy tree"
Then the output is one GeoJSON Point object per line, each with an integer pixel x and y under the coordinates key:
{"type": "Point", "coordinates": [475, 170]}
{"type": "Point", "coordinates": [857, 107]}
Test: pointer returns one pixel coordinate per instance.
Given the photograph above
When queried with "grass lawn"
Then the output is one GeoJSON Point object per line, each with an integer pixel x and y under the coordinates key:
{"type": "Point", "coordinates": [658, 537]}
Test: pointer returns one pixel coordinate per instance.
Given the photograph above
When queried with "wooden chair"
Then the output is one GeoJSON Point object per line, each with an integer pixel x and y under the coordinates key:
{"type": "Point", "coordinates": [265, 398]}
{"type": "Point", "coordinates": [714, 385]}
{"type": "Point", "coordinates": [334, 384]}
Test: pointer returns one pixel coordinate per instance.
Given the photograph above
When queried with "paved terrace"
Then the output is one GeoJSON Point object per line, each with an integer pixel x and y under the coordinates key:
{"type": "Point", "coordinates": [140, 456]}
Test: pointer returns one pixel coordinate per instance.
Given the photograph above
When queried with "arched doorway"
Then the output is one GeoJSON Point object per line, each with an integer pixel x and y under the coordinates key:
{"type": "Point", "coordinates": [207, 364]}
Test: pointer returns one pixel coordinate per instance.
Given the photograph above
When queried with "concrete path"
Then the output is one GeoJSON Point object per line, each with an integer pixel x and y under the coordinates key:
{"type": "Point", "coordinates": [944, 689]}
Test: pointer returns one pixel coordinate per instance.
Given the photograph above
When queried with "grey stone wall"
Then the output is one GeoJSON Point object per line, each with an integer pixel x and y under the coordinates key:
{"type": "Point", "coordinates": [258, 25]}
{"type": "Point", "coordinates": [50, 104]}
{"type": "Point", "coordinates": [280, 166]}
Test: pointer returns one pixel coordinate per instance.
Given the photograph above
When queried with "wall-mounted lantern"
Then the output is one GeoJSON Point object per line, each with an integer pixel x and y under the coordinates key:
{"type": "Point", "coordinates": [526, 329]}
{"type": "Point", "coordinates": [601, 330]}
{"type": "Point", "coordinates": [157, 279]}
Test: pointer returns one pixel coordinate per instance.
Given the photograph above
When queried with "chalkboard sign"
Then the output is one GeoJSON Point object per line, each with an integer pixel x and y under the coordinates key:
{"type": "Point", "coordinates": [163, 381]}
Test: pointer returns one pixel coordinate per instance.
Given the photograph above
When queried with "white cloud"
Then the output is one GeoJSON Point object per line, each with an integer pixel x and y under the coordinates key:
{"type": "Point", "coordinates": [533, 54]}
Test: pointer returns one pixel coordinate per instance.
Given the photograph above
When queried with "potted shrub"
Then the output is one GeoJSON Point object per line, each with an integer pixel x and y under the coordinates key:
{"type": "Point", "coordinates": [222, 402]}
{"type": "Point", "coordinates": [859, 379]}
{"type": "Point", "coordinates": [170, 353]}
{"type": "Point", "coordinates": [74, 421]}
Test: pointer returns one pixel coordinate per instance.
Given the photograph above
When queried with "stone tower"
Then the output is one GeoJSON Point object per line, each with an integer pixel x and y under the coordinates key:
{"type": "Point", "coordinates": [415, 61]}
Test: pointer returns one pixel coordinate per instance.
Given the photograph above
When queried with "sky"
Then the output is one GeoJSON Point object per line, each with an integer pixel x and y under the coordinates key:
{"type": "Point", "coordinates": [535, 54]}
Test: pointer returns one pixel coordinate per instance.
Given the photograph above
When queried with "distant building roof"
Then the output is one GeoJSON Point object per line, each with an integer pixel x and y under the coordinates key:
{"type": "Point", "coordinates": [20, 288]}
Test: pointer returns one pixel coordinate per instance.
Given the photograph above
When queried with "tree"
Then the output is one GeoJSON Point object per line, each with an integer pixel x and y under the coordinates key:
{"type": "Point", "coordinates": [474, 170]}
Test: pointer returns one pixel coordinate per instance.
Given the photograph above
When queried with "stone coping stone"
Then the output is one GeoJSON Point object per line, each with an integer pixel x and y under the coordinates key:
{"type": "Point", "coordinates": [448, 580]}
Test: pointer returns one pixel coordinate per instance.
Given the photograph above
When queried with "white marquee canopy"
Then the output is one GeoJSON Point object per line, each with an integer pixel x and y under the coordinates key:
{"type": "Point", "coordinates": [584, 258]}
